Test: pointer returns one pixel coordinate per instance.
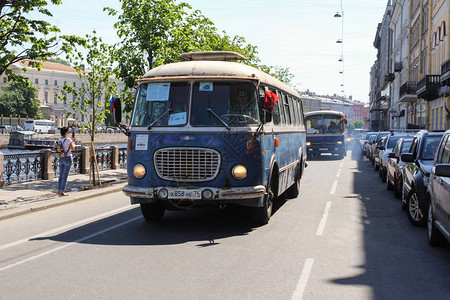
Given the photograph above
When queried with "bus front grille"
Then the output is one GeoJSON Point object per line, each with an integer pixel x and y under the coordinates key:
{"type": "Point", "coordinates": [187, 164]}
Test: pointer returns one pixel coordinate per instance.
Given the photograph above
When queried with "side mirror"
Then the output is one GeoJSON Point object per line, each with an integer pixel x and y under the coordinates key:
{"type": "Point", "coordinates": [407, 157]}
{"type": "Point", "coordinates": [391, 155]}
{"type": "Point", "coordinates": [442, 170]}
{"type": "Point", "coordinates": [117, 111]}
{"type": "Point", "coordinates": [382, 148]}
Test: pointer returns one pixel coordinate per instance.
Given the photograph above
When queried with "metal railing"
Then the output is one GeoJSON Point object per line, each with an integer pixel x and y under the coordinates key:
{"type": "Point", "coordinates": [31, 166]}
{"type": "Point", "coordinates": [22, 167]}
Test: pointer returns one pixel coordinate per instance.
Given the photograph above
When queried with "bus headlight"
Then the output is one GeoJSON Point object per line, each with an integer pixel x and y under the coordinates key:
{"type": "Point", "coordinates": [308, 143]}
{"type": "Point", "coordinates": [239, 172]}
{"type": "Point", "coordinates": [139, 171]}
{"type": "Point", "coordinates": [339, 143]}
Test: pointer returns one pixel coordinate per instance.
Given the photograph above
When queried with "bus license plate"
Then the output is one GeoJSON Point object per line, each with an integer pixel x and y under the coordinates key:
{"type": "Point", "coordinates": [323, 149]}
{"type": "Point", "coordinates": [185, 194]}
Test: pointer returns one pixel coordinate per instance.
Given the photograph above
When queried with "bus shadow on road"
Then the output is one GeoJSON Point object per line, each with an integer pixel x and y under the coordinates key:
{"type": "Point", "coordinates": [399, 264]}
{"type": "Point", "coordinates": [203, 226]}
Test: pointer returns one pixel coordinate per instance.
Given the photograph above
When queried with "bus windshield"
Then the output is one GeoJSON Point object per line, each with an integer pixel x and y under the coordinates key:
{"type": "Point", "coordinates": [324, 124]}
{"type": "Point", "coordinates": [213, 104]}
{"type": "Point", "coordinates": [235, 103]}
{"type": "Point", "coordinates": [161, 104]}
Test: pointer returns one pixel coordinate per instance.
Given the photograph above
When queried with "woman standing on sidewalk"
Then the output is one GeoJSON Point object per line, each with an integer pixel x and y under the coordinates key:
{"type": "Point", "coordinates": [65, 161]}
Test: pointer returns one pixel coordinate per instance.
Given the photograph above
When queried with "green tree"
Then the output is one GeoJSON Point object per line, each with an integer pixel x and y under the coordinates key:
{"type": "Point", "coordinates": [97, 83]}
{"type": "Point", "coordinates": [156, 32]}
{"type": "Point", "coordinates": [20, 100]}
{"type": "Point", "coordinates": [350, 126]}
{"type": "Point", "coordinates": [358, 124]}
{"type": "Point", "coordinates": [23, 38]}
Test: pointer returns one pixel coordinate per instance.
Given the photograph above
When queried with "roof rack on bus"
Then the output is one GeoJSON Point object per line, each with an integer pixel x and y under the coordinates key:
{"type": "Point", "coordinates": [213, 55]}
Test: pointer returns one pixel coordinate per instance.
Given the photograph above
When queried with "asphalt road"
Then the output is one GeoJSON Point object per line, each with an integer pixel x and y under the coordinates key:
{"type": "Point", "coordinates": [344, 237]}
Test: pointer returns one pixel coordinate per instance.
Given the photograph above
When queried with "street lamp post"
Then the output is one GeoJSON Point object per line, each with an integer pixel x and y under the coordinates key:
{"type": "Point", "coordinates": [341, 41]}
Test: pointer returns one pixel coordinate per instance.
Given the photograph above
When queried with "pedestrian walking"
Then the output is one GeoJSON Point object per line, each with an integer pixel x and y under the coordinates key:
{"type": "Point", "coordinates": [65, 159]}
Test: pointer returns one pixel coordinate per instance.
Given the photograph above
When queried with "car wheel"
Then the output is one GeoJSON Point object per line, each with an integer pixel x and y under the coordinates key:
{"type": "Point", "coordinates": [397, 189]}
{"type": "Point", "coordinates": [416, 215]}
{"type": "Point", "coordinates": [434, 236]}
{"type": "Point", "coordinates": [383, 174]}
{"type": "Point", "coordinates": [389, 185]}
{"type": "Point", "coordinates": [152, 211]}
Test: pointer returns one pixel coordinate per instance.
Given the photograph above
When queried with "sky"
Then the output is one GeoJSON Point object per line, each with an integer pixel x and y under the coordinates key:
{"type": "Point", "coordinates": [297, 34]}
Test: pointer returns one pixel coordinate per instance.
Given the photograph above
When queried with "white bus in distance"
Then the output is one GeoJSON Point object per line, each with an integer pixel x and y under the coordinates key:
{"type": "Point", "coordinates": [40, 126]}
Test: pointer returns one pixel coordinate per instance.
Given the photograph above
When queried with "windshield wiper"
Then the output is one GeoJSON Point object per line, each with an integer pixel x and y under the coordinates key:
{"type": "Point", "coordinates": [160, 117]}
{"type": "Point", "coordinates": [219, 118]}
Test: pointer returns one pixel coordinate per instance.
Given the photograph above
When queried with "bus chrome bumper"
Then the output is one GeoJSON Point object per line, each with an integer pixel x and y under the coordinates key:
{"type": "Point", "coordinates": [218, 193]}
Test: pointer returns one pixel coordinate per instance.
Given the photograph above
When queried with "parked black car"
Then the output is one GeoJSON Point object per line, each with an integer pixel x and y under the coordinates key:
{"type": "Point", "coordinates": [416, 174]}
{"type": "Point", "coordinates": [438, 195]}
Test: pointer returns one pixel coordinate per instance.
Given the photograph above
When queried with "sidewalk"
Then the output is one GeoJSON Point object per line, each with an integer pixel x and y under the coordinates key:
{"type": "Point", "coordinates": [21, 198]}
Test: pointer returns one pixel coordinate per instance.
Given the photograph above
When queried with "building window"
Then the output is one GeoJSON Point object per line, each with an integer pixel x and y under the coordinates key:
{"type": "Point", "coordinates": [46, 96]}
{"type": "Point", "coordinates": [56, 82]}
{"type": "Point", "coordinates": [65, 82]}
{"type": "Point", "coordinates": [82, 118]}
{"type": "Point", "coordinates": [36, 81]}
{"type": "Point", "coordinates": [5, 80]}
{"type": "Point", "coordinates": [74, 84]}
{"type": "Point", "coordinates": [55, 98]}
{"type": "Point", "coordinates": [46, 81]}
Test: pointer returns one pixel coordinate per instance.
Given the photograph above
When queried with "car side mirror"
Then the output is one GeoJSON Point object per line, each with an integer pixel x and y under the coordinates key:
{"type": "Point", "coordinates": [442, 170]}
{"type": "Point", "coordinates": [407, 157]}
{"type": "Point", "coordinates": [391, 155]}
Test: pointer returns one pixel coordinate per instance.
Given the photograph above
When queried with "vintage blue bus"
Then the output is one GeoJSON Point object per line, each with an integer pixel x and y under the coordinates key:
{"type": "Point", "coordinates": [208, 131]}
{"type": "Point", "coordinates": [325, 133]}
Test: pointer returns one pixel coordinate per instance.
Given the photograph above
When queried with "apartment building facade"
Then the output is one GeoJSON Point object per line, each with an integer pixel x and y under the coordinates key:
{"type": "Point", "coordinates": [419, 71]}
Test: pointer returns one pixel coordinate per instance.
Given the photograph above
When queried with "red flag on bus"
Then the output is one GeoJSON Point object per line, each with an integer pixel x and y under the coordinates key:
{"type": "Point", "coordinates": [270, 100]}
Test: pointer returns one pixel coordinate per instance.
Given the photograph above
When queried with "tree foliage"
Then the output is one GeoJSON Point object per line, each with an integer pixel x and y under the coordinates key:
{"type": "Point", "coordinates": [358, 124]}
{"type": "Point", "coordinates": [24, 38]}
{"type": "Point", "coordinates": [156, 32]}
{"type": "Point", "coordinates": [97, 82]}
{"type": "Point", "coordinates": [20, 100]}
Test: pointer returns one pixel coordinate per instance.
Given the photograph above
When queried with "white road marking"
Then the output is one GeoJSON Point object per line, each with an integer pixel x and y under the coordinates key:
{"type": "Point", "coordinates": [69, 244]}
{"type": "Point", "coordinates": [69, 226]}
{"type": "Point", "coordinates": [322, 223]}
{"type": "Point", "coordinates": [340, 166]}
{"type": "Point", "coordinates": [301, 284]}
{"type": "Point", "coordinates": [338, 173]}
{"type": "Point", "coordinates": [333, 188]}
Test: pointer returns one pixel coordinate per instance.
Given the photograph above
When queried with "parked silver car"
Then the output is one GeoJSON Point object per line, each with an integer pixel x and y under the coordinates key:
{"type": "Point", "coordinates": [438, 195]}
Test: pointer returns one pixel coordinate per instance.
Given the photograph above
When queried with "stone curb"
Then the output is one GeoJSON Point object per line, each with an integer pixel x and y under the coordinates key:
{"type": "Point", "coordinates": [45, 204]}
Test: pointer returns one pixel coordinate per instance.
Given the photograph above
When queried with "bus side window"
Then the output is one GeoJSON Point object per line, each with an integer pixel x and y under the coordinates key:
{"type": "Point", "coordinates": [281, 108]}
{"type": "Point", "coordinates": [286, 109]}
{"type": "Point", "coordinates": [264, 115]}
{"type": "Point", "coordinates": [294, 110]}
{"type": "Point", "coordinates": [301, 115]}
{"type": "Point", "coordinates": [276, 114]}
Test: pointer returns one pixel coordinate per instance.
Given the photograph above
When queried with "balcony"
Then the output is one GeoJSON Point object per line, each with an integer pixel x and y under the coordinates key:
{"type": "Point", "coordinates": [445, 73]}
{"type": "Point", "coordinates": [390, 77]}
{"type": "Point", "coordinates": [428, 87]}
{"type": "Point", "coordinates": [408, 92]}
